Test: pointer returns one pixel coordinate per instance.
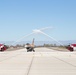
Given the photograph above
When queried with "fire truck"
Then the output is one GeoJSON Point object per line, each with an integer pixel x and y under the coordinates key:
{"type": "Point", "coordinates": [71, 47]}
{"type": "Point", "coordinates": [3, 47]}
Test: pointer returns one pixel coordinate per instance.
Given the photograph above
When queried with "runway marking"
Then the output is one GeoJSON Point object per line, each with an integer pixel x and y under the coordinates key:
{"type": "Point", "coordinates": [9, 57]}
{"type": "Point", "coordinates": [29, 68]}
{"type": "Point", "coordinates": [65, 61]}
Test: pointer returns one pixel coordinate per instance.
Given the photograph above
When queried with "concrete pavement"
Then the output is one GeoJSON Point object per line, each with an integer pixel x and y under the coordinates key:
{"type": "Point", "coordinates": [42, 62]}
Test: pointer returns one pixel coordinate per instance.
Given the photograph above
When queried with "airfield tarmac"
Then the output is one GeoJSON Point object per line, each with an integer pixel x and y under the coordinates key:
{"type": "Point", "coordinates": [42, 62]}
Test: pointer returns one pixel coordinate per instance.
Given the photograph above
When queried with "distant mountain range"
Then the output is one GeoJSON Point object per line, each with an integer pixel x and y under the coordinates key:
{"type": "Point", "coordinates": [39, 42]}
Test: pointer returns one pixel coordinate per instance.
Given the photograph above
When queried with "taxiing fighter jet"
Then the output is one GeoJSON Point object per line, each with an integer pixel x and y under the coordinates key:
{"type": "Point", "coordinates": [30, 47]}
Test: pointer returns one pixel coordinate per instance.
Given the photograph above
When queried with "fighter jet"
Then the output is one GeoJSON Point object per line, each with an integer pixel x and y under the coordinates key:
{"type": "Point", "coordinates": [30, 47]}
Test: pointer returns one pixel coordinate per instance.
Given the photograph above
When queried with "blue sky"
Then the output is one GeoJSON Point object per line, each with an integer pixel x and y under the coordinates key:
{"type": "Point", "coordinates": [20, 17]}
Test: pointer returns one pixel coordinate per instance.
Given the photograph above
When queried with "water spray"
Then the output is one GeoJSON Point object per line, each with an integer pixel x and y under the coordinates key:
{"type": "Point", "coordinates": [22, 38]}
{"type": "Point", "coordinates": [35, 31]}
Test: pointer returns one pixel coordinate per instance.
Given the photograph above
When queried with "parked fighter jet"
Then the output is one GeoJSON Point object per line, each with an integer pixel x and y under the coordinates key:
{"type": "Point", "coordinates": [30, 47]}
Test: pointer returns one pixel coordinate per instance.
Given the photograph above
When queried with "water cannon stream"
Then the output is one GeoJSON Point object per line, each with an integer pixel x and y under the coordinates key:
{"type": "Point", "coordinates": [37, 31]}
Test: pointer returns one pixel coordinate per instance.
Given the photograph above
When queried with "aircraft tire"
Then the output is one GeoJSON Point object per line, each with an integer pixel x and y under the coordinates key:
{"type": "Point", "coordinates": [71, 50]}
{"type": "Point", "coordinates": [33, 50]}
{"type": "Point", "coordinates": [2, 49]}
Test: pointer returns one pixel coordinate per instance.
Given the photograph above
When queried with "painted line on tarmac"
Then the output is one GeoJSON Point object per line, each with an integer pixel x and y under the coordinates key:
{"type": "Point", "coordinates": [65, 61]}
{"type": "Point", "coordinates": [30, 65]}
{"type": "Point", "coordinates": [9, 57]}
